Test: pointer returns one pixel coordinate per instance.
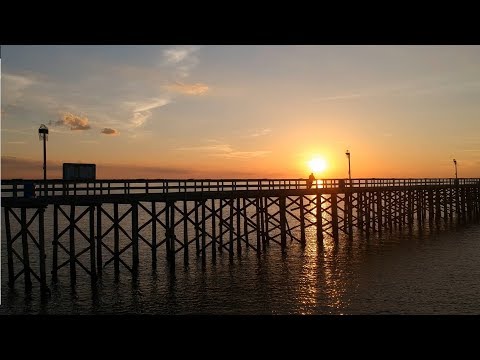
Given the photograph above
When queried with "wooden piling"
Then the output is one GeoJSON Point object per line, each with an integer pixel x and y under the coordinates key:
{"type": "Point", "coordinates": [230, 218]}
{"type": "Point", "coordinates": [283, 222]}
{"type": "Point", "coordinates": [360, 212]}
{"type": "Point", "coordinates": [379, 211]}
{"type": "Point", "coordinates": [197, 231]}
{"type": "Point", "coordinates": [8, 230]}
{"type": "Point", "coordinates": [26, 257]}
{"type": "Point", "coordinates": [168, 244]}
{"type": "Point", "coordinates": [41, 251]}
{"type": "Point", "coordinates": [221, 225]}
{"type": "Point", "coordinates": [204, 234]}
{"type": "Point", "coordinates": [257, 215]}
{"type": "Point", "coordinates": [245, 221]}
{"type": "Point", "coordinates": [55, 245]}
{"type": "Point", "coordinates": [302, 222]}
{"type": "Point", "coordinates": [154, 235]}
{"type": "Point", "coordinates": [172, 235]}
{"type": "Point", "coordinates": [116, 239]}
{"type": "Point", "coordinates": [185, 233]}
{"type": "Point", "coordinates": [72, 251]}
{"type": "Point", "coordinates": [262, 223]}
{"type": "Point", "coordinates": [93, 259]}
{"type": "Point", "coordinates": [239, 238]}
{"type": "Point", "coordinates": [319, 219]}
{"type": "Point", "coordinates": [334, 216]}
{"type": "Point", "coordinates": [135, 256]}
{"type": "Point", "coordinates": [349, 217]}
{"type": "Point", "coordinates": [214, 237]}
{"type": "Point", "coordinates": [99, 241]}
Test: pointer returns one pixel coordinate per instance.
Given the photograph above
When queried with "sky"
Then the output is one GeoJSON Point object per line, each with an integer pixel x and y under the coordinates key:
{"type": "Point", "coordinates": [193, 111]}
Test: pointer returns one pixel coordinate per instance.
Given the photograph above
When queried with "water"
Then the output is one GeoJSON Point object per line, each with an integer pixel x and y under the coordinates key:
{"type": "Point", "coordinates": [427, 272]}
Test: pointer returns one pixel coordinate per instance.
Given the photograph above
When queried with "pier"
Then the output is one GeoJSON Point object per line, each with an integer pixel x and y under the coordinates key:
{"type": "Point", "coordinates": [101, 224]}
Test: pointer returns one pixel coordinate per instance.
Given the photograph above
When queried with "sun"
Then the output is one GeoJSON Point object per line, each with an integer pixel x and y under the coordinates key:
{"type": "Point", "coordinates": [317, 165]}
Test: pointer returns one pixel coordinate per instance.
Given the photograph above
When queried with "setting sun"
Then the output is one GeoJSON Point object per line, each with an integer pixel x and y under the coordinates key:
{"type": "Point", "coordinates": [317, 165]}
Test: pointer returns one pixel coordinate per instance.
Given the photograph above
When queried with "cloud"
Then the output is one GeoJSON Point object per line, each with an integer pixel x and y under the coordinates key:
{"type": "Point", "coordinates": [212, 148]}
{"type": "Point", "coordinates": [189, 89]}
{"type": "Point", "coordinates": [75, 122]}
{"type": "Point", "coordinates": [179, 54]}
{"type": "Point", "coordinates": [16, 142]}
{"type": "Point", "coordinates": [149, 104]}
{"type": "Point", "coordinates": [183, 58]}
{"type": "Point", "coordinates": [142, 109]}
{"type": "Point", "coordinates": [14, 86]}
{"type": "Point", "coordinates": [139, 118]}
{"type": "Point", "coordinates": [109, 131]}
{"type": "Point", "coordinates": [261, 132]}
{"type": "Point", "coordinates": [244, 154]}
{"type": "Point", "coordinates": [225, 150]}
{"type": "Point", "coordinates": [342, 97]}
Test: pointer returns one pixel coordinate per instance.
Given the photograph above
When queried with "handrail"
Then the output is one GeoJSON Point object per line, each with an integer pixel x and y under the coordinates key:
{"type": "Point", "coordinates": [59, 187]}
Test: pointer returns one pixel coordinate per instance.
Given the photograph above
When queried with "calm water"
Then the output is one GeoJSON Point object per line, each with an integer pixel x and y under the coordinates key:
{"type": "Point", "coordinates": [428, 272]}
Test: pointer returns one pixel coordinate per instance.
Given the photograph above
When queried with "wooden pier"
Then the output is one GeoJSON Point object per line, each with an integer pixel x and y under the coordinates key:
{"type": "Point", "coordinates": [96, 225]}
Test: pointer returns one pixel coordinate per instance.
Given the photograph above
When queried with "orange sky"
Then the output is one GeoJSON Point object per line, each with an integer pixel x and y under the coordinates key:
{"type": "Point", "coordinates": [242, 111]}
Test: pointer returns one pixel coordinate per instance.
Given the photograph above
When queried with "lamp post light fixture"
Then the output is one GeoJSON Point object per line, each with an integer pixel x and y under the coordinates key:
{"type": "Point", "coordinates": [349, 173]}
{"type": "Point", "coordinates": [455, 163]}
{"type": "Point", "coordinates": [43, 135]}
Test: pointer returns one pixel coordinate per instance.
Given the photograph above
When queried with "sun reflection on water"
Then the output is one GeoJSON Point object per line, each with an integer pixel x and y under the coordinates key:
{"type": "Point", "coordinates": [323, 278]}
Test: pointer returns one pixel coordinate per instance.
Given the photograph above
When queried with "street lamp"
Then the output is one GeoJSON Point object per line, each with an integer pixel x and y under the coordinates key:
{"type": "Point", "coordinates": [349, 173]}
{"type": "Point", "coordinates": [455, 163]}
{"type": "Point", "coordinates": [43, 134]}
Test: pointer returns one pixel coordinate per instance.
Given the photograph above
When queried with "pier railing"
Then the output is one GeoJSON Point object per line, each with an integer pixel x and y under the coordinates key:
{"type": "Point", "coordinates": [17, 187]}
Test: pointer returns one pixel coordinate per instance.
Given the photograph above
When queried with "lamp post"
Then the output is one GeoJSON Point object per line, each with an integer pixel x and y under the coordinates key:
{"type": "Point", "coordinates": [349, 173]}
{"type": "Point", "coordinates": [455, 163]}
{"type": "Point", "coordinates": [43, 135]}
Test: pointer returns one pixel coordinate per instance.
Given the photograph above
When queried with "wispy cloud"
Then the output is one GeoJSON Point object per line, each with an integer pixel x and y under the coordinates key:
{"type": "Point", "coordinates": [148, 104]}
{"type": "Point", "coordinates": [183, 58]}
{"type": "Point", "coordinates": [218, 149]}
{"type": "Point", "coordinates": [13, 86]}
{"type": "Point", "coordinates": [16, 142]}
{"type": "Point", "coordinates": [74, 121]}
{"type": "Point", "coordinates": [342, 97]}
{"type": "Point", "coordinates": [223, 148]}
{"type": "Point", "coordinates": [109, 131]}
{"type": "Point", "coordinates": [188, 89]}
{"type": "Point", "coordinates": [142, 109]}
{"type": "Point", "coordinates": [244, 154]}
{"type": "Point", "coordinates": [261, 132]}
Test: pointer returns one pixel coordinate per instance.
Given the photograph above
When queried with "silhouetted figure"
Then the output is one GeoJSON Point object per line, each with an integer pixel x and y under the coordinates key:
{"type": "Point", "coordinates": [310, 181]}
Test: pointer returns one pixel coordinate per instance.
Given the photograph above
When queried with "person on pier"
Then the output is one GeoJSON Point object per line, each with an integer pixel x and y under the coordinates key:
{"type": "Point", "coordinates": [310, 181]}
